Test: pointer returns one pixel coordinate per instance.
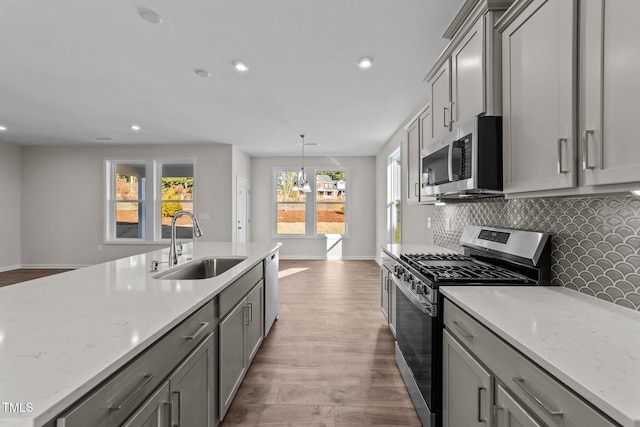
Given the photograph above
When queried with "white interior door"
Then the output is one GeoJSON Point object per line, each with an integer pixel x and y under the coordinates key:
{"type": "Point", "coordinates": [243, 210]}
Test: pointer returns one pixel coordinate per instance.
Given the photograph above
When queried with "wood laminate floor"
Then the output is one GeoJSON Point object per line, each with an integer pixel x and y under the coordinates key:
{"type": "Point", "coordinates": [23, 274]}
{"type": "Point", "coordinates": [329, 360]}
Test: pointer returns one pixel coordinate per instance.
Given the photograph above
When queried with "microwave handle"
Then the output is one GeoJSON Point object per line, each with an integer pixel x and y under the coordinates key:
{"type": "Point", "coordinates": [450, 161]}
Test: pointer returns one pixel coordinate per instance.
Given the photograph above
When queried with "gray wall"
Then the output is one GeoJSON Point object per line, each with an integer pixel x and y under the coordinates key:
{"type": "Point", "coordinates": [596, 240]}
{"type": "Point", "coordinates": [361, 242]}
{"type": "Point", "coordinates": [10, 205]}
{"type": "Point", "coordinates": [63, 200]}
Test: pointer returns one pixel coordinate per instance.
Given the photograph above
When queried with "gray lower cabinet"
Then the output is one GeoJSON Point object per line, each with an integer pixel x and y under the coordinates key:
{"type": "Point", "coordinates": [187, 399]}
{"type": "Point", "coordinates": [241, 333]}
{"type": "Point", "coordinates": [481, 371]}
{"type": "Point", "coordinates": [154, 412]}
{"type": "Point", "coordinates": [509, 413]}
{"type": "Point", "coordinates": [466, 399]}
{"type": "Point", "coordinates": [388, 293]}
{"type": "Point", "coordinates": [193, 388]}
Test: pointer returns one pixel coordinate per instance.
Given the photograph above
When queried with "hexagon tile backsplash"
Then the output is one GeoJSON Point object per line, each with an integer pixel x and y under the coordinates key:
{"type": "Point", "coordinates": [596, 241]}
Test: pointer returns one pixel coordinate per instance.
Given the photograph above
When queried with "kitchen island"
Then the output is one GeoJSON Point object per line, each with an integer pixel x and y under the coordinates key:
{"type": "Point", "coordinates": [63, 335]}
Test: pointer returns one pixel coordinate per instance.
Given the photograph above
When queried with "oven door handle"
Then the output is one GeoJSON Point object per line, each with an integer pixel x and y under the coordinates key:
{"type": "Point", "coordinates": [423, 306]}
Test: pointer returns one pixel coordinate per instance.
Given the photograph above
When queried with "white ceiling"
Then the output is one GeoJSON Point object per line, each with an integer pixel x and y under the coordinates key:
{"type": "Point", "coordinates": [76, 71]}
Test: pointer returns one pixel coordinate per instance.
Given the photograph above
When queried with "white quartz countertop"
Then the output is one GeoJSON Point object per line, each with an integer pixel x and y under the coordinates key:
{"type": "Point", "coordinates": [396, 249]}
{"type": "Point", "coordinates": [590, 345]}
{"type": "Point", "coordinates": [62, 335]}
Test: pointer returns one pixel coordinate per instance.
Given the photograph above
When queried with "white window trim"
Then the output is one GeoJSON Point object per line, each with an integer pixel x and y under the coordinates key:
{"type": "Point", "coordinates": [153, 202]}
{"type": "Point", "coordinates": [310, 211]}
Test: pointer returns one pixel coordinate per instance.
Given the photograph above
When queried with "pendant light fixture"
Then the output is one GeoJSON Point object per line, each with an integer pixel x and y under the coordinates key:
{"type": "Point", "coordinates": [302, 178]}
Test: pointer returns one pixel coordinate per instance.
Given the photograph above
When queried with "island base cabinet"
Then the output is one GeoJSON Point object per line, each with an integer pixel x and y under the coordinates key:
{"type": "Point", "coordinates": [154, 412]}
{"type": "Point", "coordinates": [187, 399]}
{"type": "Point", "coordinates": [241, 333]}
{"type": "Point", "coordinates": [193, 388]}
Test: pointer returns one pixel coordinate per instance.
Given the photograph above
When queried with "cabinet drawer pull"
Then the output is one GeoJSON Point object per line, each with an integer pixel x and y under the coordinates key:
{"type": "Point", "coordinates": [560, 157]}
{"type": "Point", "coordinates": [585, 156]}
{"type": "Point", "coordinates": [125, 401]}
{"type": "Point", "coordinates": [201, 329]}
{"type": "Point", "coordinates": [465, 333]}
{"type": "Point", "coordinates": [523, 385]}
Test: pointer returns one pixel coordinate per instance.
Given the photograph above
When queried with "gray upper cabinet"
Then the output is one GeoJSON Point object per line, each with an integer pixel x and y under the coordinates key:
{"type": "Point", "coordinates": [440, 85]}
{"type": "Point", "coordinates": [539, 57]}
{"type": "Point", "coordinates": [418, 132]}
{"type": "Point", "coordinates": [465, 81]}
{"type": "Point", "coordinates": [413, 162]}
{"type": "Point", "coordinates": [610, 61]}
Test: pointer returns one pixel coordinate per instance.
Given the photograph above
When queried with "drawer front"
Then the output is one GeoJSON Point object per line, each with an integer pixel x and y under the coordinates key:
{"type": "Point", "coordinates": [116, 399]}
{"type": "Point", "coordinates": [548, 399]}
{"type": "Point", "coordinates": [231, 296]}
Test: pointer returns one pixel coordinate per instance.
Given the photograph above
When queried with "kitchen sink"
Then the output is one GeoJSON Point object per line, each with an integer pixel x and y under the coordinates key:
{"type": "Point", "coordinates": [204, 268]}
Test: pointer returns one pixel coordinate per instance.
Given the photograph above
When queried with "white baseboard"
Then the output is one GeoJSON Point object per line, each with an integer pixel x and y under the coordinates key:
{"type": "Point", "coordinates": [9, 268]}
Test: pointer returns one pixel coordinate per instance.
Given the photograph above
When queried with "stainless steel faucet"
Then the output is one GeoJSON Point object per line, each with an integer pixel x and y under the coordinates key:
{"type": "Point", "coordinates": [197, 232]}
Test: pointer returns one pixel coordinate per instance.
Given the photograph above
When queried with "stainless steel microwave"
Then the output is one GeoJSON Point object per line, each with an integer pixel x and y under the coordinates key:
{"type": "Point", "coordinates": [466, 163]}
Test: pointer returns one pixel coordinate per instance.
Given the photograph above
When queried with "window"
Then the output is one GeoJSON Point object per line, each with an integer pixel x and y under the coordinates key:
{"type": "Point", "coordinates": [143, 196]}
{"type": "Point", "coordinates": [394, 197]}
{"type": "Point", "coordinates": [322, 211]}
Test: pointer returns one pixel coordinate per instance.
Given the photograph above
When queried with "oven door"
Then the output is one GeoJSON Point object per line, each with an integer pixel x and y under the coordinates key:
{"type": "Point", "coordinates": [418, 345]}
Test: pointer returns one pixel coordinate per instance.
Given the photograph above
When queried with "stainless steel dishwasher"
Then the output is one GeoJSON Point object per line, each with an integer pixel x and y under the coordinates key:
{"type": "Point", "coordinates": [271, 264]}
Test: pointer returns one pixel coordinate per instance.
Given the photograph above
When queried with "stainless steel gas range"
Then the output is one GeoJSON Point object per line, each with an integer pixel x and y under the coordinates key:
{"type": "Point", "coordinates": [491, 256]}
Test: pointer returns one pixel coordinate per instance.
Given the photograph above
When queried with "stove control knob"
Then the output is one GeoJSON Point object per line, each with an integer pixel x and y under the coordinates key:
{"type": "Point", "coordinates": [420, 289]}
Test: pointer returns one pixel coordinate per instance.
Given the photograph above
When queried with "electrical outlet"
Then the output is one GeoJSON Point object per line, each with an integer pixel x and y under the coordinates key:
{"type": "Point", "coordinates": [428, 222]}
{"type": "Point", "coordinates": [99, 248]}
{"type": "Point", "coordinates": [447, 224]}
{"type": "Point", "coordinates": [203, 217]}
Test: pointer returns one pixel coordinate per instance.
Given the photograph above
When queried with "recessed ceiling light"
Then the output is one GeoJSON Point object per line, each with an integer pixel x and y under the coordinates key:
{"type": "Point", "coordinates": [135, 127]}
{"type": "Point", "coordinates": [2, 128]}
{"type": "Point", "coordinates": [202, 73]}
{"type": "Point", "coordinates": [240, 66]}
{"type": "Point", "coordinates": [365, 63]}
{"type": "Point", "coordinates": [150, 16]}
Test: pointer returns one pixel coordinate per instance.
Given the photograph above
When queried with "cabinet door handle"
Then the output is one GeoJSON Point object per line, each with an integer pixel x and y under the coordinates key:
{"type": "Point", "coordinates": [479, 417]}
{"type": "Point", "coordinates": [523, 385]}
{"type": "Point", "coordinates": [560, 142]}
{"type": "Point", "coordinates": [585, 155]}
{"type": "Point", "coordinates": [176, 414]}
{"type": "Point", "coordinates": [246, 314]}
{"type": "Point", "coordinates": [465, 333]}
{"type": "Point", "coordinates": [444, 117]}
{"type": "Point", "coordinates": [145, 379]}
{"type": "Point", "coordinates": [450, 112]}
{"type": "Point", "coordinates": [250, 304]}
{"type": "Point", "coordinates": [201, 329]}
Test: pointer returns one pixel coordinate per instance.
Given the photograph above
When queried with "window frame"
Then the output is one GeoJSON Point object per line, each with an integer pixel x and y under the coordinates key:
{"type": "Point", "coordinates": [152, 220]}
{"type": "Point", "coordinates": [310, 203]}
{"type": "Point", "coordinates": [394, 197]}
